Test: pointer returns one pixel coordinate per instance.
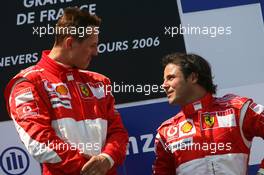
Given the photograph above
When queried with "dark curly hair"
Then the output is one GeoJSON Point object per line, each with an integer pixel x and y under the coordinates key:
{"type": "Point", "coordinates": [192, 63]}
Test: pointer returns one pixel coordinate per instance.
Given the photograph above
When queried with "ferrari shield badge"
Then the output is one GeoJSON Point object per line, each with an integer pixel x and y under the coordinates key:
{"type": "Point", "coordinates": [209, 120]}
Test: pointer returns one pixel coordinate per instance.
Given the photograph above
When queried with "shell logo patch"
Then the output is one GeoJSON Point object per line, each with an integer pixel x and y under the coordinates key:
{"type": "Point", "coordinates": [186, 127]}
{"type": "Point", "coordinates": [62, 90]}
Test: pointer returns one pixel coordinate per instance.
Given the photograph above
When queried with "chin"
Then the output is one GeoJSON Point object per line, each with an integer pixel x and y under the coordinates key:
{"type": "Point", "coordinates": [173, 102]}
{"type": "Point", "coordinates": [83, 67]}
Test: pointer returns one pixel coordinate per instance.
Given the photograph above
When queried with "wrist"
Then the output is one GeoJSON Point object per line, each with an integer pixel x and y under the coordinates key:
{"type": "Point", "coordinates": [109, 159]}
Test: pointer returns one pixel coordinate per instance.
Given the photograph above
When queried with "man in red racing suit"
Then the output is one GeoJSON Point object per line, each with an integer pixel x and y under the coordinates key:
{"type": "Point", "coordinates": [65, 116]}
{"type": "Point", "coordinates": [209, 135]}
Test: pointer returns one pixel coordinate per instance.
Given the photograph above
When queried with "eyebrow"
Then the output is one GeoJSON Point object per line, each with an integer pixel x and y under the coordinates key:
{"type": "Point", "coordinates": [168, 76]}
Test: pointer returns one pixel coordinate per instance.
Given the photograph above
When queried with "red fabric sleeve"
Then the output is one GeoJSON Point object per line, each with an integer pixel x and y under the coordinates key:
{"type": "Point", "coordinates": [33, 123]}
{"type": "Point", "coordinates": [253, 124]}
{"type": "Point", "coordinates": [164, 163]}
{"type": "Point", "coordinates": [117, 136]}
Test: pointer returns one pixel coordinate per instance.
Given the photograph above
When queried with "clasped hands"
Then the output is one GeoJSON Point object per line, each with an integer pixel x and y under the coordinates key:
{"type": "Point", "coordinates": [96, 165]}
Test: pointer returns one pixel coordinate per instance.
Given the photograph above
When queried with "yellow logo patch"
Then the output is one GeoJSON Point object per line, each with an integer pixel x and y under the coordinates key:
{"type": "Point", "coordinates": [187, 127]}
{"type": "Point", "coordinates": [62, 90]}
{"type": "Point", "coordinates": [209, 120]}
{"type": "Point", "coordinates": [84, 90]}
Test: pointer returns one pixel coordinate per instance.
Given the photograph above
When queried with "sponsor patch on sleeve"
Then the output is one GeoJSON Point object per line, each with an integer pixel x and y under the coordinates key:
{"type": "Point", "coordinates": [23, 96]}
{"type": "Point", "coordinates": [28, 110]}
{"type": "Point", "coordinates": [257, 108]}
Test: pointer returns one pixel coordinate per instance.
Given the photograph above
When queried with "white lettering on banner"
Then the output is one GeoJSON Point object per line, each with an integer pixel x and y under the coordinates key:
{"type": "Point", "coordinates": [134, 144]}
{"type": "Point", "coordinates": [113, 47]}
{"type": "Point", "coordinates": [28, 18]}
{"type": "Point", "coordinates": [141, 43]}
{"type": "Point", "coordinates": [18, 59]}
{"type": "Point", "coordinates": [48, 14]}
{"type": "Point", "coordinates": [36, 3]}
{"type": "Point", "coordinates": [53, 14]}
{"type": "Point", "coordinates": [146, 147]}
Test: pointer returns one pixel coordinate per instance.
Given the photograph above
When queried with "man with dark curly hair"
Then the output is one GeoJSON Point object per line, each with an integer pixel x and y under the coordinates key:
{"type": "Point", "coordinates": [209, 135]}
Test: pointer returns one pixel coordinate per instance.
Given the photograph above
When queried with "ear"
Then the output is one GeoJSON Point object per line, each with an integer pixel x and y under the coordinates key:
{"type": "Point", "coordinates": [193, 78]}
{"type": "Point", "coordinates": [68, 42]}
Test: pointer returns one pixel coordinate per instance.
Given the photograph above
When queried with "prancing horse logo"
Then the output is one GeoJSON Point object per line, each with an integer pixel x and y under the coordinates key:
{"type": "Point", "coordinates": [84, 90]}
{"type": "Point", "coordinates": [209, 120]}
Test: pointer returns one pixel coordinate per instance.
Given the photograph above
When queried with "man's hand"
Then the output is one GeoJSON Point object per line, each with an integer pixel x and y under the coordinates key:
{"type": "Point", "coordinates": [96, 165]}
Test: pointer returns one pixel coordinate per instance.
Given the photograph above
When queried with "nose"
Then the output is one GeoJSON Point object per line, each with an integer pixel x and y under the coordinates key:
{"type": "Point", "coordinates": [165, 85]}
